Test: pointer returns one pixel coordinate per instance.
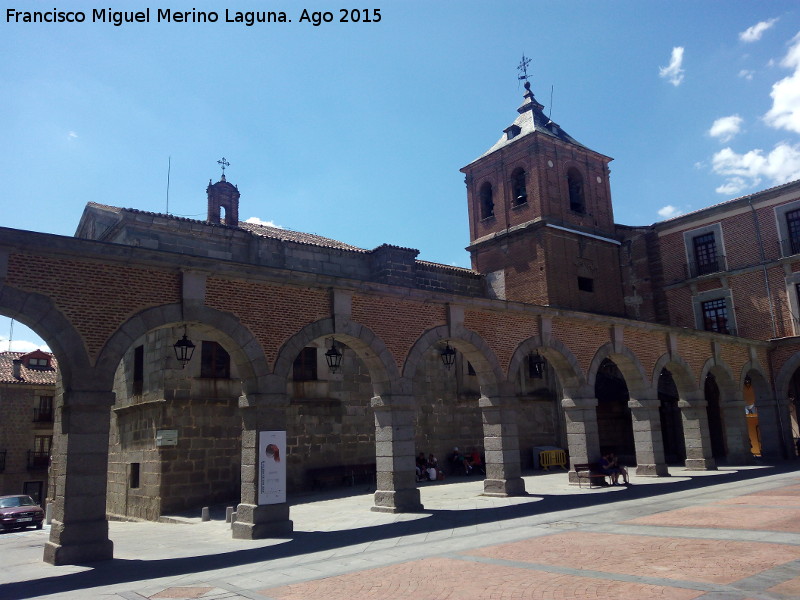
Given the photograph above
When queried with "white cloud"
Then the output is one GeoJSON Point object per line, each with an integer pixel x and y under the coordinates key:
{"type": "Point", "coordinates": [669, 211]}
{"type": "Point", "coordinates": [746, 74]}
{"type": "Point", "coordinates": [785, 111]}
{"type": "Point", "coordinates": [19, 346]}
{"type": "Point", "coordinates": [746, 170]}
{"type": "Point", "coordinates": [733, 187]}
{"type": "Point", "coordinates": [725, 128]}
{"type": "Point", "coordinates": [72, 135]}
{"type": "Point", "coordinates": [258, 221]}
{"type": "Point", "coordinates": [674, 72]}
{"type": "Point", "coordinates": [754, 33]}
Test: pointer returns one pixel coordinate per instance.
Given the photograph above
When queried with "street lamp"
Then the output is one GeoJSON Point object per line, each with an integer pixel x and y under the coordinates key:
{"type": "Point", "coordinates": [448, 356]}
{"type": "Point", "coordinates": [184, 349]}
{"type": "Point", "coordinates": [333, 357]}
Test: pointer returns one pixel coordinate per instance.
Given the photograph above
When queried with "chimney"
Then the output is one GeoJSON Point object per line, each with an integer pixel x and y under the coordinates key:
{"type": "Point", "coordinates": [17, 368]}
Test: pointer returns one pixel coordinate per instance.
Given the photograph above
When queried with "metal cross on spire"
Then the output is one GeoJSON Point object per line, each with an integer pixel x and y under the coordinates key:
{"type": "Point", "coordinates": [523, 67]}
{"type": "Point", "coordinates": [223, 163]}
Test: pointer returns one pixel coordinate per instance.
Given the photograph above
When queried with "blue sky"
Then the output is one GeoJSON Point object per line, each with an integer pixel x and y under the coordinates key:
{"type": "Point", "coordinates": [357, 131]}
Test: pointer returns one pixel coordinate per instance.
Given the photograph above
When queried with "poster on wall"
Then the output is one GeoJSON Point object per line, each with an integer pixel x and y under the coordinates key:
{"type": "Point", "coordinates": [271, 467]}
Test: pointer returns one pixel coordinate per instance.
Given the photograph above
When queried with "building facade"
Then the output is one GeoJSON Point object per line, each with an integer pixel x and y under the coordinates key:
{"type": "Point", "coordinates": [27, 389]}
{"type": "Point", "coordinates": [567, 331]}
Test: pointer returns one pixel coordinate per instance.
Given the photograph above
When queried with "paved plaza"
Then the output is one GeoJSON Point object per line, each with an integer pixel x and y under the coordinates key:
{"type": "Point", "coordinates": [731, 534]}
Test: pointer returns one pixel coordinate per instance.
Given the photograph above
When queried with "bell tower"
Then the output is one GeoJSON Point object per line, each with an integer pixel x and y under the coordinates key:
{"type": "Point", "coordinates": [540, 217]}
{"type": "Point", "coordinates": [223, 196]}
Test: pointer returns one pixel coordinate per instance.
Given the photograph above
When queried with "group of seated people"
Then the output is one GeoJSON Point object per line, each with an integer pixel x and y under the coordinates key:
{"type": "Point", "coordinates": [469, 462]}
{"type": "Point", "coordinates": [428, 468]}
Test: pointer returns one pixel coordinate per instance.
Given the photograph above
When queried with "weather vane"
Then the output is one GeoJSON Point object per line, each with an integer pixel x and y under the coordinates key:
{"type": "Point", "coordinates": [223, 163]}
{"type": "Point", "coordinates": [523, 67]}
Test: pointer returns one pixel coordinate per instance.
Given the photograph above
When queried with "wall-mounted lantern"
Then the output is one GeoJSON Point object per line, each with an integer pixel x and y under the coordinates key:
{"type": "Point", "coordinates": [448, 356]}
{"type": "Point", "coordinates": [184, 349]}
{"type": "Point", "coordinates": [333, 357]}
{"type": "Point", "coordinates": [536, 363]}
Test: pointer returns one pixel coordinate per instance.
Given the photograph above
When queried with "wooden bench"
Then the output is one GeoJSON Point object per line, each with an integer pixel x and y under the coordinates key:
{"type": "Point", "coordinates": [590, 472]}
{"type": "Point", "coordinates": [341, 475]}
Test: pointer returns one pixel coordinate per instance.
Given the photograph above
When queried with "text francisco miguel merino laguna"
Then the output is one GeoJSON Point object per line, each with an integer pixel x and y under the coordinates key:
{"type": "Point", "coordinates": [164, 15]}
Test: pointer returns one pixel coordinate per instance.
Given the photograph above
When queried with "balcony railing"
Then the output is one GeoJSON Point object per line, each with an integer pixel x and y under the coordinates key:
{"type": "Point", "coordinates": [696, 269]}
{"type": "Point", "coordinates": [38, 460]}
{"type": "Point", "coordinates": [42, 415]}
{"type": "Point", "coordinates": [2, 460]}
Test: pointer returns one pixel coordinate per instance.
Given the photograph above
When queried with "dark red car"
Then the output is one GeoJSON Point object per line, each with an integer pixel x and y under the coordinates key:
{"type": "Point", "coordinates": [20, 511]}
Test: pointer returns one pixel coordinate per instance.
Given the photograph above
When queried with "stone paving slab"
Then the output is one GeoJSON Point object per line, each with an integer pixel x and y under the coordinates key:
{"type": "Point", "coordinates": [709, 561]}
{"type": "Point", "coordinates": [341, 538]}
{"type": "Point", "coordinates": [775, 518]}
{"type": "Point", "coordinates": [441, 578]}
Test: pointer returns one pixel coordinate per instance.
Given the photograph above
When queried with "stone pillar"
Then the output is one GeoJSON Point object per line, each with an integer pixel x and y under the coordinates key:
{"type": "Point", "coordinates": [694, 413]}
{"type": "Point", "coordinates": [647, 437]}
{"type": "Point", "coordinates": [582, 434]}
{"type": "Point", "coordinates": [260, 412]}
{"type": "Point", "coordinates": [396, 489]}
{"type": "Point", "coordinates": [501, 442]}
{"type": "Point", "coordinates": [79, 531]}
{"type": "Point", "coordinates": [738, 440]}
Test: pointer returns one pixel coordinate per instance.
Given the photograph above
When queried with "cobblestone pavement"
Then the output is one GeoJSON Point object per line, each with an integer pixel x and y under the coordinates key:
{"type": "Point", "coordinates": [732, 534]}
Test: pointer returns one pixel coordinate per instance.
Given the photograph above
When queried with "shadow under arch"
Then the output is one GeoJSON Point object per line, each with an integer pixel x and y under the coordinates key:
{"type": "Point", "coordinates": [768, 417]}
{"type": "Point", "coordinates": [40, 314]}
{"type": "Point", "coordinates": [245, 350]}
{"type": "Point", "coordinates": [368, 346]}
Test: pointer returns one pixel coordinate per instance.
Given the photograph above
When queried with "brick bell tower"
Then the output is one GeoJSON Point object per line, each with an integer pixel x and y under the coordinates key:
{"type": "Point", "coordinates": [223, 196]}
{"type": "Point", "coordinates": [540, 218]}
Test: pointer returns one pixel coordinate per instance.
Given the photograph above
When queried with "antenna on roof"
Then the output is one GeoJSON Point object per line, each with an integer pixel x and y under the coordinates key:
{"type": "Point", "coordinates": [10, 334]}
{"type": "Point", "coordinates": [169, 168]}
{"type": "Point", "coordinates": [550, 116]}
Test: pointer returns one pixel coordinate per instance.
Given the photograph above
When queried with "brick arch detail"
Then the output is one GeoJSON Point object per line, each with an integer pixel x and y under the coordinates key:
{"type": "Point", "coordinates": [470, 344]}
{"type": "Point", "coordinates": [370, 348]}
{"type": "Point", "coordinates": [629, 365]}
{"type": "Point", "coordinates": [39, 313]}
{"type": "Point", "coordinates": [244, 348]}
{"type": "Point", "coordinates": [558, 355]}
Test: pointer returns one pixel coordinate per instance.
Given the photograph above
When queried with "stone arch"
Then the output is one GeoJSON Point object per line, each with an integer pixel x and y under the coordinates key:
{"type": "Point", "coordinates": [769, 425]}
{"type": "Point", "coordinates": [40, 314]}
{"type": "Point", "coordinates": [685, 379]}
{"type": "Point", "coordinates": [558, 355]}
{"type": "Point", "coordinates": [629, 365]}
{"type": "Point", "coordinates": [727, 382]}
{"type": "Point", "coordinates": [370, 348]}
{"type": "Point", "coordinates": [244, 348]}
{"type": "Point", "coordinates": [470, 344]}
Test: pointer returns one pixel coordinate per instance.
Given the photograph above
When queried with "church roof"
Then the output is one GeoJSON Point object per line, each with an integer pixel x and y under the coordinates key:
{"type": "Point", "coordinates": [531, 120]}
{"type": "Point", "coordinates": [257, 229]}
{"type": "Point", "coordinates": [30, 375]}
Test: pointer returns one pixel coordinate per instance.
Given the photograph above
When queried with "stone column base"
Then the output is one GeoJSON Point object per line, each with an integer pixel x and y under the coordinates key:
{"type": "Point", "coordinates": [260, 522]}
{"type": "Point", "coordinates": [397, 502]}
{"type": "Point", "coordinates": [504, 487]}
{"type": "Point", "coordinates": [78, 553]}
{"type": "Point", "coordinates": [701, 464]}
{"type": "Point", "coordinates": [656, 470]}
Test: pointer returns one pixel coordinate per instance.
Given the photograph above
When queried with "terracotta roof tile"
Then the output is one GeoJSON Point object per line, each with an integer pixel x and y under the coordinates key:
{"type": "Point", "coordinates": [32, 375]}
